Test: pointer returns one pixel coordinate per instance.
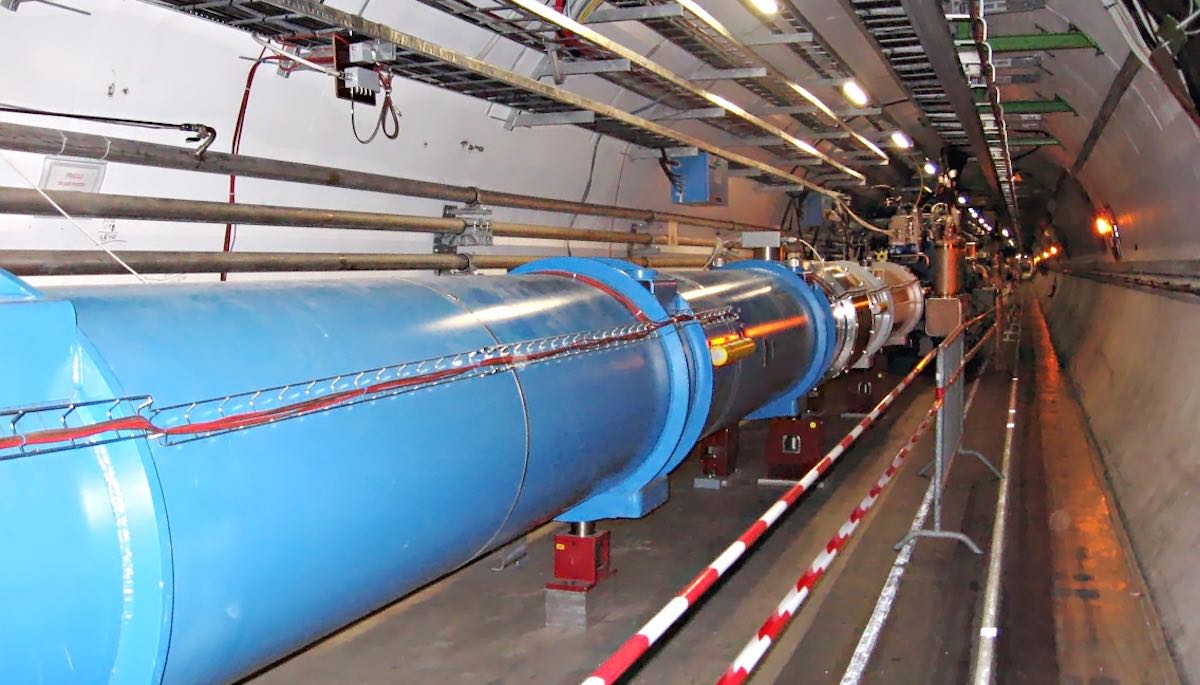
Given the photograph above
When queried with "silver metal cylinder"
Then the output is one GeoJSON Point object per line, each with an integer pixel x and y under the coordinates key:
{"type": "Point", "coordinates": [583, 528]}
{"type": "Point", "coordinates": [849, 297]}
{"type": "Point", "coordinates": [908, 302]}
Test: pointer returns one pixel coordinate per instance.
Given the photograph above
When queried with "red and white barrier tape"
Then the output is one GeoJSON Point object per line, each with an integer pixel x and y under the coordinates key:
{"type": "Point", "coordinates": [640, 643]}
{"type": "Point", "coordinates": [637, 645]}
{"type": "Point", "coordinates": [754, 651]}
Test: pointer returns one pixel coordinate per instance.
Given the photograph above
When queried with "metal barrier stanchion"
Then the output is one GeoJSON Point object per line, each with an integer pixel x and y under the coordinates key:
{"type": "Point", "coordinates": [948, 431]}
{"type": "Point", "coordinates": [891, 587]}
{"type": "Point", "coordinates": [756, 649]}
{"type": "Point", "coordinates": [951, 368]}
{"type": "Point", "coordinates": [639, 643]}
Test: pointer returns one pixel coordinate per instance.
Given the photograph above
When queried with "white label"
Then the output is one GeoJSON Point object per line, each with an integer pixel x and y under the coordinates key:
{"type": "Point", "coordinates": [67, 173]}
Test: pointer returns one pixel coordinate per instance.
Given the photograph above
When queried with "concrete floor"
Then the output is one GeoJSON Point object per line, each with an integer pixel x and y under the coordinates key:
{"type": "Point", "coordinates": [485, 626]}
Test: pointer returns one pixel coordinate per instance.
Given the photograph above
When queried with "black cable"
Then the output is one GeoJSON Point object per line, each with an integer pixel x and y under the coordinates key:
{"type": "Point", "coordinates": [668, 166]}
{"type": "Point", "coordinates": [387, 112]}
{"type": "Point", "coordinates": [203, 133]}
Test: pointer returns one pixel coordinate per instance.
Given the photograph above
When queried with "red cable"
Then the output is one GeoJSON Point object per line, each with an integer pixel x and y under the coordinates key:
{"type": "Point", "coordinates": [236, 144]}
{"type": "Point", "coordinates": [264, 416]}
{"type": "Point", "coordinates": [633, 308]}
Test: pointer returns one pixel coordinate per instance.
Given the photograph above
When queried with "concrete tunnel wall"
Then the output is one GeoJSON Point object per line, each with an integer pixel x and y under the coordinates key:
{"type": "Point", "coordinates": [1130, 354]}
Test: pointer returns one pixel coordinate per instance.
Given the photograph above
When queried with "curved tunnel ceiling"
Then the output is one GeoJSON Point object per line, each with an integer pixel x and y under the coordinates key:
{"type": "Point", "coordinates": [1123, 117]}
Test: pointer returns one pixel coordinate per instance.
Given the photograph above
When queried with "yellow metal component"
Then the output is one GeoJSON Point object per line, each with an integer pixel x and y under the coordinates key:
{"type": "Point", "coordinates": [730, 351]}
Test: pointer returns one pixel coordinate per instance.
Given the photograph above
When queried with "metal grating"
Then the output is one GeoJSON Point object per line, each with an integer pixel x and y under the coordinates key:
{"type": "Point", "coordinates": [310, 24]}
{"type": "Point", "coordinates": [820, 57]}
{"type": "Point", "coordinates": [889, 26]}
{"type": "Point", "coordinates": [517, 21]}
{"type": "Point", "coordinates": [531, 31]}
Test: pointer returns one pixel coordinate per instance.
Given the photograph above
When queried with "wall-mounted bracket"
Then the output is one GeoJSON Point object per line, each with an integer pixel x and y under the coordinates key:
{"type": "Point", "coordinates": [612, 14]}
{"type": "Point", "coordinates": [524, 119]}
{"type": "Point", "coordinates": [476, 230]}
{"type": "Point", "coordinates": [780, 39]}
{"type": "Point", "coordinates": [713, 74]}
{"type": "Point", "coordinates": [558, 69]}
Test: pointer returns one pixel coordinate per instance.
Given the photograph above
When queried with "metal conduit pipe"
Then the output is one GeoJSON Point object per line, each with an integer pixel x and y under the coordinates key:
{"type": "Point", "coordinates": [52, 141]}
{"type": "Point", "coordinates": [107, 206]}
{"type": "Point", "coordinates": [192, 505]}
{"type": "Point", "coordinates": [97, 262]}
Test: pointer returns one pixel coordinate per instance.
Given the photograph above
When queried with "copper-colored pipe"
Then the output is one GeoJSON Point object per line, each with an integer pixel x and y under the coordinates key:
{"type": "Point", "coordinates": [96, 262]}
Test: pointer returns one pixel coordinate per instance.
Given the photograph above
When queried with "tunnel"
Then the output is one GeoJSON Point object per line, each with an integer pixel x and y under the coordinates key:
{"type": "Point", "coordinates": [608, 341]}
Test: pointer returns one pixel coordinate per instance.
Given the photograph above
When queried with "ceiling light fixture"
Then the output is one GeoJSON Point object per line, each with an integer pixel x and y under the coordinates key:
{"type": "Point", "coordinates": [930, 168]}
{"type": "Point", "coordinates": [900, 140]}
{"type": "Point", "coordinates": [765, 6]}
{"type": "Point", "coordinates": [853, 92]}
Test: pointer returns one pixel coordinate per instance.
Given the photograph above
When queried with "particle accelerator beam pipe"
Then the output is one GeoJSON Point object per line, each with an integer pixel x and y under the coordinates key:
{"type": "Point", "coordinates": [207, 477]}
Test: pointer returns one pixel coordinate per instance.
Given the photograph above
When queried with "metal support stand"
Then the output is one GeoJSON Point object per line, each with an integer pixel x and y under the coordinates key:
{"type": "Point", "coordinates": [581, 562]}
{"type": "Point", "coordinates": [581, 558]}
{"type": "Point", "coordinates": [948, 431]}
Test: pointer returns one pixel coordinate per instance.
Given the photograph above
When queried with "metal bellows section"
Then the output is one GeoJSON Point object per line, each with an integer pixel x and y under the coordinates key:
{"type": "Point", "coordinates": [872, 307]}
{"type": "Point", "coordinates": [908, 301]}
{"type": "Point", "coordinates": [199, 557]}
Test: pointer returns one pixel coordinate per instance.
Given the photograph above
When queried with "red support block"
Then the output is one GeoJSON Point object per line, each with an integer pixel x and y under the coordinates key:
{"type": "Point", "coordinates": [866, 388]}
{"type": "Point", "coordinates": [794, 446]}
{"type": "Point", "coordinates": [719, 452]}
{"type": "Point", "coordinates": [580, 561]}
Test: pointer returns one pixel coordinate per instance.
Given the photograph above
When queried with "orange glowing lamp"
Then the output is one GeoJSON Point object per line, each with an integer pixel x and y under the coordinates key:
{"type": "Point", "coordinates": [1053, 250]}
{"type": "Point", "coordinates": [1104, 226]}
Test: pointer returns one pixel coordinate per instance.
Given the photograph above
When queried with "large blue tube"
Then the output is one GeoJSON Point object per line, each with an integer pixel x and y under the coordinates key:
{"type": "Point", "coordinates": [157, 559]}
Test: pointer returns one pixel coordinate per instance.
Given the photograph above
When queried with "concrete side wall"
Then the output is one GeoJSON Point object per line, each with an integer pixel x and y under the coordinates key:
{"type": "Point", "coordinates": [1130, 355]}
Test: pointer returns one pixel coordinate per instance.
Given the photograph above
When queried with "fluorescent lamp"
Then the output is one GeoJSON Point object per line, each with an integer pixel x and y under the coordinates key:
{"type": "Point", "coordinates": [901, 141]}
{"type": "Point", "coordinates": [930, 168]}
{"type": "Point", "coordinates": [765, 6]}
{"type": "Point", "coordinates": [850, 88]}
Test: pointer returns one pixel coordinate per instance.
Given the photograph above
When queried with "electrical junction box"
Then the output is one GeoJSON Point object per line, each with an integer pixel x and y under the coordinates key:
{"type": "Point", "coordinates": [942, 316]}
{"type": "Point", "coordinates": [704, 180]}
{"type": "Point", "coordinates": [372, 52]}
{"type": "Point", "coordinates": [812, 210]}
{"type": "Point", "coordinates": [753, 239]}
{"type": "Point", "coordinates": [361, 78]}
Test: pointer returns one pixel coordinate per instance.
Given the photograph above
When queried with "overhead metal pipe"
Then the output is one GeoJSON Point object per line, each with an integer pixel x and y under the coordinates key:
{"type": "Point", "coordinates": [52, 141]}
{"type": "Point", "coordinates": [97, 262]}
{"type": "Point", "coordinates": [106, 206]}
